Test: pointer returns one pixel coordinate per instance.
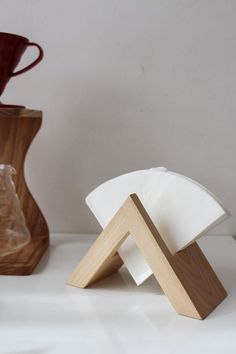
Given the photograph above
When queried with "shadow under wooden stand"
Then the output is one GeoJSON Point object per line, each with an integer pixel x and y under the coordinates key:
{"type": "Point", "coordinates": [186, 277]}
{"type": "Point", "coordinates": [18, 128]}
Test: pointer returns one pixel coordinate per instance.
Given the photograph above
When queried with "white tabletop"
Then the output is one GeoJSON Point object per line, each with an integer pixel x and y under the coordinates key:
{"type": "Point", "coordinates": [39, 314]}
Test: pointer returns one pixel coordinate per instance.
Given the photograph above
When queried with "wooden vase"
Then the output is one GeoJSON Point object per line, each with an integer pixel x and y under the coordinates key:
{"type": "Point", "coordinates": [18, 128]}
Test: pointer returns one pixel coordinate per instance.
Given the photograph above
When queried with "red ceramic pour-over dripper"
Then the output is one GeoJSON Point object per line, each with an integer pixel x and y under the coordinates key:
{"type": "Point", "coordinates": [12, 48]}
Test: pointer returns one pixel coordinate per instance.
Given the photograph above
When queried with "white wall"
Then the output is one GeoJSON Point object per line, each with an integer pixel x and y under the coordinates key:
{"type": "Point", "coordinates": [126, 85]}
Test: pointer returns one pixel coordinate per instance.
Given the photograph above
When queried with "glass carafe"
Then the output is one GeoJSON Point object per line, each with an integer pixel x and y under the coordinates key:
{"type": "Point", "coordinates": [14, 233]}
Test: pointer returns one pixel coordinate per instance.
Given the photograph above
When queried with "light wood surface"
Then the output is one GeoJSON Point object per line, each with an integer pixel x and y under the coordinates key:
{"type": "Point", "coordinates": [18, 128]}
{"type": "Point", "coordinates": [186, 277]}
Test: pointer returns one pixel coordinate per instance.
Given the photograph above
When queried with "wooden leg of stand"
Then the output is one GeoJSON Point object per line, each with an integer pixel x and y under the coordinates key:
{"type": "Point", "coordinates": [101, 259]}
{"type": "Point", "coordinates": [186, 277]}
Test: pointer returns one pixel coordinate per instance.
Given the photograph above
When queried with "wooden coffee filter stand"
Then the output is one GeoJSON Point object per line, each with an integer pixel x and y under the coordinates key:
{"type": "Point", "coordinates": [186, 277]}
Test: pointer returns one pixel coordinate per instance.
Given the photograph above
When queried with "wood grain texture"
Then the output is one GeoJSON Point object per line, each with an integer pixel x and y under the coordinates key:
{"type": "Point", "coordinates": [186, 277]}
{"type": "Point", "coordinates": [98, 261]}
{"type": "Point", "coordinates": [18, 128]}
